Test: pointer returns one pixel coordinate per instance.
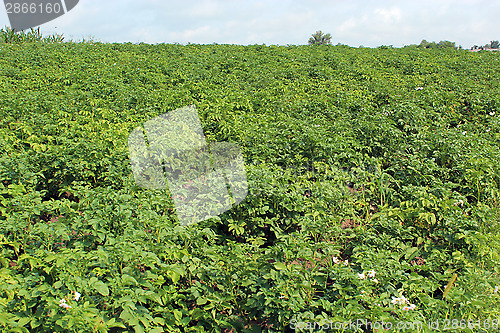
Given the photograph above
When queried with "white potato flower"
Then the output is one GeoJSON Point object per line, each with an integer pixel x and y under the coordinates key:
{"type": "Point", "coordinates": [63, 304]}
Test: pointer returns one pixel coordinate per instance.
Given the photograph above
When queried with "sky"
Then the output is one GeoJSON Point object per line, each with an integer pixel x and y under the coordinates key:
{"type": "Point", "coordinates": [279, 22]}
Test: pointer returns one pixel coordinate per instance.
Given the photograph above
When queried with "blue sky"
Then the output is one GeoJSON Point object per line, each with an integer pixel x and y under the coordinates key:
{"type": "Point", "coordinates": [351, 22]}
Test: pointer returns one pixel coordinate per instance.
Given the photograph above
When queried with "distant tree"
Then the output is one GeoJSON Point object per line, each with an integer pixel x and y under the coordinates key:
{"type": "Point", "coordinates": [444, 44]}
{"type": "Point", "coordinates": [427, 45]}
{"type": "Point", "coordinates": [495, 44]}
{"type": "Point", "coordinates": [319, 38]}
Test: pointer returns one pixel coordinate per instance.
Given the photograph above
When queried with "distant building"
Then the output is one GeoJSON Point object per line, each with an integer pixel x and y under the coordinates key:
{"type": "Point", "coordinates": [476, 48]}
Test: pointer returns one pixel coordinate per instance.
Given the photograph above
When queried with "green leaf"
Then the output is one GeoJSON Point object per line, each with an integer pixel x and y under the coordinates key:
{"type": "Point", "coordinates": [449, 285]}
{"type": "Point", "coordinates": [174, 276]}
{"type": "Point", "coordinates": [478, 303]}
{"type": "Point", "coordinates": [201, 301]}
{"type": "Point", "coordinates": [128, 280]}
{"type": "Point", "coordinates": [411, 253]}
{"type": "Point", "coordinates": [23, 321]}
{"type": "Point", "coordinates": [138, 329]}
{"type": "Point", "coordinates": [117, 324]}
{"type": "Point", "coordinates": [101, 288]}
{"type": "Point", "coordinates": [157, 330]}
{"type": "Point", "coordinates": [279, 266]}
{"type": "Point", "coordinates": [155, 297]}
{"type": "Point", "coordinates": [159, 321]}
{"type": "Point", "coordinates": [178, 315]}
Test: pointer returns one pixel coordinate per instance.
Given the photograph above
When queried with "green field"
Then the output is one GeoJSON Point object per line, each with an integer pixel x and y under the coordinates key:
{"type": "Point", "coordinates": [357, 159]}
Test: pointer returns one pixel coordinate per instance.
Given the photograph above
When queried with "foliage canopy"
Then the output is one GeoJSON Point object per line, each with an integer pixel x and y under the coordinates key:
{"type": "Point", "coordinates": [318, 38]}
{"type": "Point", "coordinates": [385, 159]}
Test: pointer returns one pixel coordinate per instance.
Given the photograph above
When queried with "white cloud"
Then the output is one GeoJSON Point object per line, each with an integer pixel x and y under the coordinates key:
{"type": "Point", "coordinates": [196, 35]}
{"type": "Point", "coordinates": [350, 25]}
{"type": "Point", "coordinates": [207, 10]}
{"type": "Point", "coordinates": [389, 15]}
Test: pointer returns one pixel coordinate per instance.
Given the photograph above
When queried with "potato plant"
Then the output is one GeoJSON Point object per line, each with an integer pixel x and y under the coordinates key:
{"type": "Point", "coordinates": [373, 178]}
